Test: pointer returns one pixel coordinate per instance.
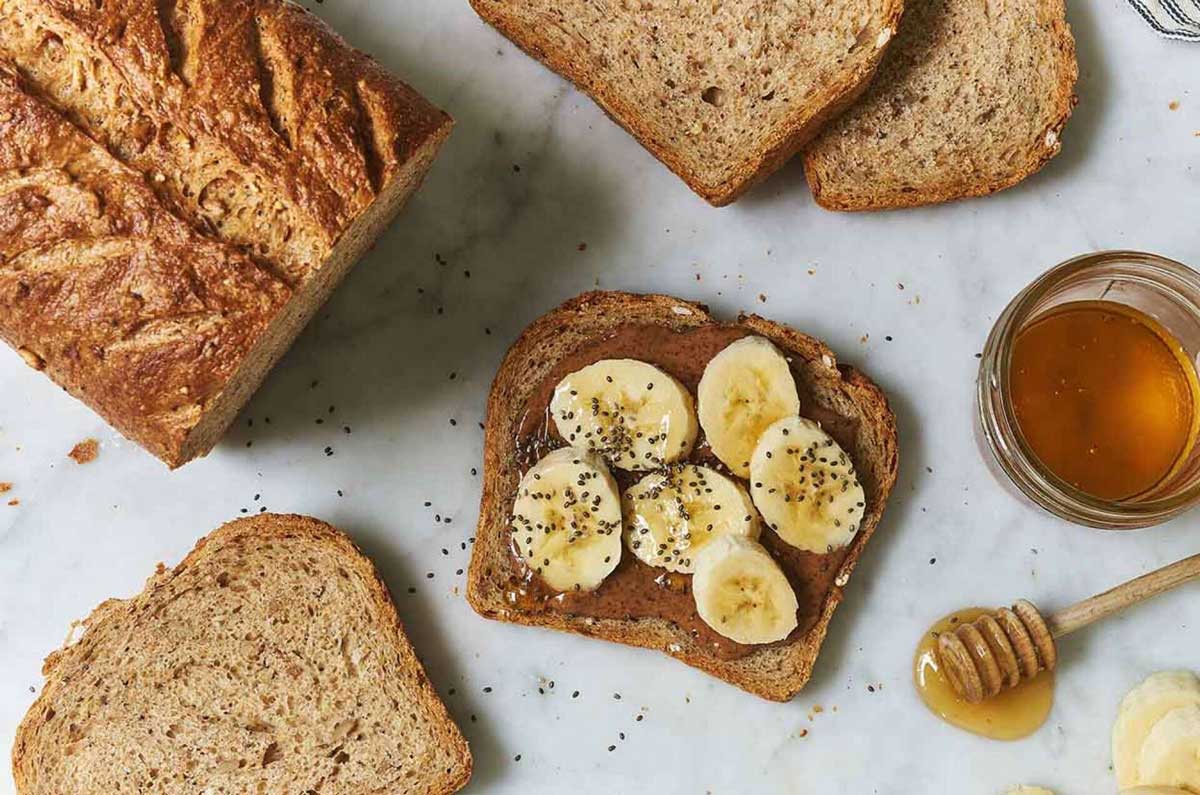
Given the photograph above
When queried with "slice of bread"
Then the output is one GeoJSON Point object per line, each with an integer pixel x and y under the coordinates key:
{"type": "Point", "coordinates": [775, 672]}
{"type": "Point", "coordinates": [722, 93]}
{"type": "Point", "coordinates": [270, 660]}
{"type": "Point", "coordinates": [970, 99]}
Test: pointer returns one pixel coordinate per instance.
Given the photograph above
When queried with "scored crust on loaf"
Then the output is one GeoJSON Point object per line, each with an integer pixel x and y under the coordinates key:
{"type": "Point", "coordinates": [270, 660]}
{"type": "Point", "coordinates": [251, 118]}
{"type": "Point", "coordinates": [119, 301]}
{"type": "Point", "coordinates": [775, 672]}
{"type": "Point", "coordinates": [971, 98]}
{"type": "Point", "coordinates": [254, 123]}
{"type": "Point", "coordinates": [722, 93]}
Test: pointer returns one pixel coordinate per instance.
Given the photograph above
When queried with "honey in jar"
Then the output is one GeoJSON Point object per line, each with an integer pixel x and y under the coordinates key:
{"type": "Point", "coordinates": [1105, 397]}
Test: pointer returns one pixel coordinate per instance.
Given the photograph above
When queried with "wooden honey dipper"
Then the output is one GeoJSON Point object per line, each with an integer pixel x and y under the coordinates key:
{"type": "Point", "coordinates": [998, 650]}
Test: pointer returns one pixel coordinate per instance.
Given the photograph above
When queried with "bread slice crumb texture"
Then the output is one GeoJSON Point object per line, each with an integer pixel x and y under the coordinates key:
{"type": "Point", "coordinates": [270, 660]}
{"type": "Point", "coordinates": [723, 93]}
{"type": "Point", "coordinates": [971, 98]}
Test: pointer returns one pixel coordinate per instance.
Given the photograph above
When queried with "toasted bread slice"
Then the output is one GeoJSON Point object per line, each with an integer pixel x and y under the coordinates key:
{"type": "Point", "coordinates": [722, 93]}
{"type": "Point", "coordinates": [970, 99]}
{"type": "Point", "coordinates": [270, 660]}
{"type": "Point", "coordinates": [775, 672]}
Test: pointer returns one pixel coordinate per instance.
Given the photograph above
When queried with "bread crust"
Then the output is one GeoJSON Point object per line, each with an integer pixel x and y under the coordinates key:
{"type": "Point", "coordinates": [262, 526]}
{"type": "Point", "coordinates": [782, 144]}
{"type": "Point", "coordinates": [258, 155]}
{"type": "Point", "coordinates": [120, 302]}
{"type": "Point", "coordinates": [776, 673]}
{"type": "Point", "coordinates": [1038, 154]}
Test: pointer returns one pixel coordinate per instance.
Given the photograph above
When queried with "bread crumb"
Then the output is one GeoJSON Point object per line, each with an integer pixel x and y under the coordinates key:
{"type": "Point", "coordinates": [5, 487]}
{"type": "Point", "coordinates": [85, 452]}
{"type": "Point", "coordinates": [14, 501]}
{"type": "Point", "coordinates": [1173, 104]}
{"type": "Point", "coordinates": [762, 297]}
{"type": "Point", "coordinates": [32, 359]}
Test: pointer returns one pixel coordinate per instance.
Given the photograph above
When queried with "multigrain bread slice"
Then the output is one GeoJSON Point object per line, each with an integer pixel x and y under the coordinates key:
{"type": "Point", "coordinates": [775, 672]}
{"type": "Point", "coordinates": [722, 93]}
{"type": "Point", "coordinates": [252, 122]}
{"type": "Point", "coordinates": [971, 98]}
{"type": "Point", "coordinates": [270, 660]}
{"type": "Point", "coordinates": [119, 301]}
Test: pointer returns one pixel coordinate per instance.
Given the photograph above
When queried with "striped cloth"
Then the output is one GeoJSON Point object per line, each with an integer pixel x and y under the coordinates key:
{"type": "Point", "coordinates": [1175, 19]}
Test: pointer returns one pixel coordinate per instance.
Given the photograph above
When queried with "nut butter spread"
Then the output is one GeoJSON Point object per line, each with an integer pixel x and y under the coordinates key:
{"type": "Point", "coordinates": [638, 591]}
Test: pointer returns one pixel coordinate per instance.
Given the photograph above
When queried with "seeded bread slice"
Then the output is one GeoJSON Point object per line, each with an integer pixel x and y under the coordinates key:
{"type": "Point", "coordinates": [774, 672]}
{"type": "Point", "coordinates": [971, 98]}
{"type": "Point", "coordinates": [722, 93]}
{"type": "Point", "coordinates": [270, 660]}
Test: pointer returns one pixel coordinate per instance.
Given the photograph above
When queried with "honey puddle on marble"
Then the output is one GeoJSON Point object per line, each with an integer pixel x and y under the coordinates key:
{"type": "Point", "coordinates": [1014, 713]}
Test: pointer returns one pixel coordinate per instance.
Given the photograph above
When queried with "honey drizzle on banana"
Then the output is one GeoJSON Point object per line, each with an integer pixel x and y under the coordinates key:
{"type": "Point", "coordinates": [1010, 715]}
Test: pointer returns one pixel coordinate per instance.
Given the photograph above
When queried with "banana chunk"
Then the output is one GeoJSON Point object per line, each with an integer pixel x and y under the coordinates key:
{"type": "Point", "coordinates": [635, 415]}
{"type": "Point", "coordinates": [567, 520]}
{"type": "Point", "coordinates": [671, 516]}
{"type": "Point", "coordinates": [741, 592]}
{"type": "Point", "coordinates": [1140, 710]}
{"type": "Point", "coordinates": [745, 388]}
{"type": "Point", "coordinates": [1170, 757]}
{"type": "Point", "coordinates": [805, 486]}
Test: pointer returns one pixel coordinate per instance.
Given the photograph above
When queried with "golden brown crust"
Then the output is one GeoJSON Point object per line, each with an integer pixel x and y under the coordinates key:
{"type": "Point", "coordinates": [780, 147]}
{"type": "Point", "coordinates": [1037, 155]}
{"type": "Point", "coordinates": [194, 141]}
{"type": "Point", "coordinates": [124, 305]}
{"type": "Point", "coordinates": [776, 673]}
{"type": "Point", "coordinates": [231, 107]}
{"type": "Point", "coordinates": [263, 526]}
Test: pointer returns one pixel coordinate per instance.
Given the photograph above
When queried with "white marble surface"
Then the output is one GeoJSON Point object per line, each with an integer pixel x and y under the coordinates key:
{"type": "Point", "coordinates": [532, 171]}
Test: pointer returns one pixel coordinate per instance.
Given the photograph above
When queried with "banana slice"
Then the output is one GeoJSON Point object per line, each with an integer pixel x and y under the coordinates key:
{"type": "Point", "coordinates": [670, 516]}
{"type": "Point", "coordinates": [745, 388]}
{"type": "Point", "coordinates": [741, 592]}
{"type": "Point", "coordinates": [635, 415]}
{"type": "Point", "coordinates": [1170, 757]}
{"type": "Point", "coordinates": [567, 520]}
{"type": "Point", "coordinates": [805, 486]}
{"type": "Point", "coordinates": [1141, 708]}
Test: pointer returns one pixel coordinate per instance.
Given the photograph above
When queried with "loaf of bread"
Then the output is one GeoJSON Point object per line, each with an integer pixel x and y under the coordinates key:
{"type": "Point", "coordinates": [722, 93]}
{"type": "Point", "coordinates": [271, 660]}
{"type": "Point", "coordinates": [279, 149]}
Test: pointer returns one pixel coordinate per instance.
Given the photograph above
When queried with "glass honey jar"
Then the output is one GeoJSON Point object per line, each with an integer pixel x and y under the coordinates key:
{"type": "Point", "coordinates": [1088, 393]}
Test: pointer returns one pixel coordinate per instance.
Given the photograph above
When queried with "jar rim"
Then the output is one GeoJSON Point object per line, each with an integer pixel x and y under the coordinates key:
{"type": "Point", "coordinates": [998, 420]}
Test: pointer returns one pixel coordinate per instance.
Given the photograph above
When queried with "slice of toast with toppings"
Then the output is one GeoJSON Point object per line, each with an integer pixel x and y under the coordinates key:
{"type": "Point", "coordinates": [678, 337]}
